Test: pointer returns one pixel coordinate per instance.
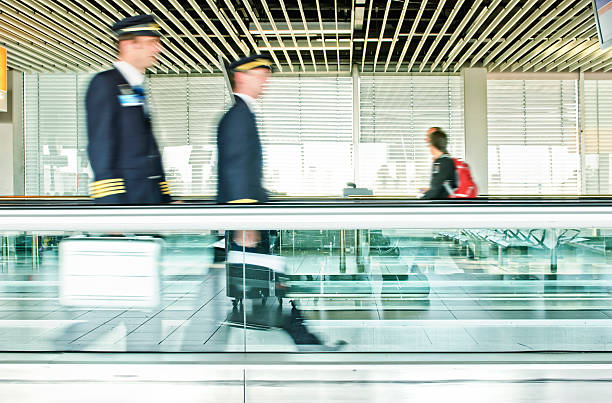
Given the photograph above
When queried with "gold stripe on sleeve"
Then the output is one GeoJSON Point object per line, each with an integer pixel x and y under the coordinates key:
{"type": "Point", "coordinates": [243, 201]}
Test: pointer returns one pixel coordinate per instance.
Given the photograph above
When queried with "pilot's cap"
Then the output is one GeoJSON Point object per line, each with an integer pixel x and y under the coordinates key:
{"type": "Point", "coordinates": [252, 62]}
{"type": "Point", "coordinates": [137, 25]}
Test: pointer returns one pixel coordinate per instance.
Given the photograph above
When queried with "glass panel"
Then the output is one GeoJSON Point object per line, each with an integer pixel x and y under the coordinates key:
{"type": "Point", "coordinates": [471, 290]}
{"type": "Point", "coordinates": [99, 292]}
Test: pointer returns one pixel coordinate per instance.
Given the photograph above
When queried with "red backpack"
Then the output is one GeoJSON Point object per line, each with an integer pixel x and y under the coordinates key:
{"type": "Point", "coordinates": [466, 187]}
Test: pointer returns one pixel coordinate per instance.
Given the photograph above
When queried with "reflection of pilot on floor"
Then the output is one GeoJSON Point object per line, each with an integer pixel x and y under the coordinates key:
{"type": "Point", "coordinates": [240, 171]}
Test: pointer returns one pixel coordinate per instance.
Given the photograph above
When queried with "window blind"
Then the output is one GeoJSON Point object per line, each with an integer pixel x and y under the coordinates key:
{"type": "Point", "coordinates": [306, 130]}
{"type": "Point", "coordinates": [597, 137]}
{"type": "Point", "coordinates": [395, 113]}
{"type": "Point", "coordinates": [305, 126]}
{"type": "Point", "coordinates": [55, 135]}
{"type": "Point", "coordinates": [186, 111]}
{"type": "Point", "coordinates": [533, 137]}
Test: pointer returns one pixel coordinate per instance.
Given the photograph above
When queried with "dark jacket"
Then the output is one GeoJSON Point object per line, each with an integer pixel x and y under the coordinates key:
{"type": "Point", "coordinates": [240, 163]}
{"type": "Point", "coordinates": [443, 170]}
{"type": "Point", "coordinates": [122, 150]}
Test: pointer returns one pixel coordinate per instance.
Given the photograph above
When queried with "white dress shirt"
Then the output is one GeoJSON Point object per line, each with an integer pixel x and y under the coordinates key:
{"type": "Point", "coordinates": [249, 100]}
{"type": "Point", "coordinates": [134, 78]}
{"type": "Point", "coordinates": [130, 73]}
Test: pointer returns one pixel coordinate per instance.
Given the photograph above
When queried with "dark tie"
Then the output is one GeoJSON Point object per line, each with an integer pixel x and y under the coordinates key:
{"type": "Point", "coordinates": [140, 91]}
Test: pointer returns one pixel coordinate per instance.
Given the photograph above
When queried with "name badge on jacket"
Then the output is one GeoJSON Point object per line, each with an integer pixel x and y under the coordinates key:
{"type": "Point", "coordinates": [128, 97]}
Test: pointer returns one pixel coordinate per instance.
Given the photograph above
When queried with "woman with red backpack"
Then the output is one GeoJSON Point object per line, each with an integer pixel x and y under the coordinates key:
{"type": "Point", "coordinates": [450, 177]}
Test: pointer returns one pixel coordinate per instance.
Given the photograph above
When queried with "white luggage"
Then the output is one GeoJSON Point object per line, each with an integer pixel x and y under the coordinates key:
{"type": "Point", "coordinates": [110, 272]}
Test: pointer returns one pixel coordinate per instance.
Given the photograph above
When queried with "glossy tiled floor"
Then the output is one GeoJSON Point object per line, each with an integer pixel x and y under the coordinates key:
{"type": "Point", "coordinates": [436, 299]}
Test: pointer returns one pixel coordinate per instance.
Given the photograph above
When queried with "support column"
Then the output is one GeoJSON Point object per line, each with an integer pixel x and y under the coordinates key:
{"type": "Point", "coordinates": [476, 130]}
{"type": "Point", "coordinates": [18, 134]}
{"type": "Point", "coordinates": [356, 125]}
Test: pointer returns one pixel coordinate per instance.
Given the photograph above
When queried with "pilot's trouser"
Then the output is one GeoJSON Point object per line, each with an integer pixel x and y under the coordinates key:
{"type": "Point", "coordinates": [246, 279]}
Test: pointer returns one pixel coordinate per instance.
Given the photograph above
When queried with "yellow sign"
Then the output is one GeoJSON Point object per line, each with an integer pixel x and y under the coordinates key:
{"type": "Point", "coordinates": [2, 69]}
{"type": "Point", "coordinates": [3, 80]}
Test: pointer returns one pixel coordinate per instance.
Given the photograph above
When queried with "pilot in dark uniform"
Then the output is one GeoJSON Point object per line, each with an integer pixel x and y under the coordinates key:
{"type": "Point", "coordinates": [240, 161]}
{"type": "Point", "coordinates": [240, 171]}
{"type": "Point", "coordinates": [122, 150]}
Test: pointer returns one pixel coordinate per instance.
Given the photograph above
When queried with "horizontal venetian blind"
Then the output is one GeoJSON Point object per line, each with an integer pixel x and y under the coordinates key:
{"type": "Point", "coordinates": [306, 130]}
{"type": "Point", "coordinates": [533, 147]}
{"type": "Point", "coordinates": [186, 111]}
{"type": "Point", "coordinates": [55, 135]}
{"type": "Point", "coordinates": [395, 113]}
{"type": "Point", "coordinates": [597, 136]}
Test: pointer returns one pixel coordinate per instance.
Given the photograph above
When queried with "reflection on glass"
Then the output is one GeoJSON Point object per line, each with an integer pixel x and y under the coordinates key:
{"type": "Point", "coordinates": [352, 290]}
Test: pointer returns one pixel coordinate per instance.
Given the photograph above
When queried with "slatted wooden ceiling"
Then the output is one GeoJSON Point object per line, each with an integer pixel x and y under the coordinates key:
{"type": "Point", "coordinates": [314, 35]}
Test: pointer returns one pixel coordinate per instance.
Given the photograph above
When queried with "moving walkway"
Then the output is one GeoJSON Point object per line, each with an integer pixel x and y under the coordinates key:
{"type": "Point", "coordinates": [438, 275]}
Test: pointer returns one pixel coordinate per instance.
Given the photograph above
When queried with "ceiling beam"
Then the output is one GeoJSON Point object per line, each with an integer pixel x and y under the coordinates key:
{"type": "Point", "coordinates": [544, 50]}
{"type": "Point", "coordinates": [217, 34]}
{"type": "Point", "coordinates": [398, 28]}
{"type": "Point", "coordinates": [352, 33]}
{"type": "Point", "coordinates": [430, 26]}
{"type": "Point", "coordinates": [278, 37]}
{"type": "Point", "coordinates": [202, 34]}
{"type": "Point", "coordinates": [337, 38]}
{"type": "Point", "coordinates": [596, 62]}
{"type": "Point", "coordinates": [238, 19]}
{"type": "Point", "coordinates": [261, 32]}
{"type": "Point", "coordinates": [557, 30]}
{"type": "Point", "coordinates": [314, 62]}
{"type": "Point", "coordinates": [183, 29]}
{"type": "Point", "coordinates": [606, 67]}
{"type": "Point", "coordinates": [512, 38]}
{"type": "Point", "coordinates": [590, 47]}
{"type": "Point", "coordinates": [482, 17]}
{"type": "Point", "coordinates": [16, 65]}
{"type": "Point", "coordinates": [456, 34]}
{"type": "Point", "coordinates": [162, 62]}
{"type": "Point", "coordinates": [557, 53]}
{"type": "Point", "coordinates": [26, 56]}
{"type": "Point", "coordinates": [493, 25]}
{"type": "Point", "coordinates": [225, 21]}
{"type": "Point", "coordinates": [290, 26]}
{"type": "Point", "coordinates": [19, 51]}
{"type": "Point", "coordinates": [382, 32]}
{"type": "Point", "coordinates": [322, 34]}
{"type": "Point", "coordinates": [180, 47]}
{"type": "Point", "coordinates": [518, 16]}
{"type": "Point", "coordinates": [78, 55]}
{"type": "Point", "coordinates": [412, 30]}
{"type": "Point", "coordinates": [37, 49]}
{"type": "Point", "coordinates": [441, 34]}
{"type": "Point", "coordinates": [365, 43]}
{"type": "Point", "coordinates": [37, 17]}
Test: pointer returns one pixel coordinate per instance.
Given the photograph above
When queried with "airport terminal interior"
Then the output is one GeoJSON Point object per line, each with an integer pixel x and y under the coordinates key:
{"type": "Point", "coordinates": [364, 291]}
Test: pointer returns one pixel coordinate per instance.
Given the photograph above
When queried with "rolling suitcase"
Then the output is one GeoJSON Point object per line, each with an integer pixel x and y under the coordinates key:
{"type": "Point", "coordinates": [254, 275]}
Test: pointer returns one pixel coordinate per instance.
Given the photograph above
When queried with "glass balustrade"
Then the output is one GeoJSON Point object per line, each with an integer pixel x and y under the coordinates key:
{"type": "Point", "coordinates": [176, 279]}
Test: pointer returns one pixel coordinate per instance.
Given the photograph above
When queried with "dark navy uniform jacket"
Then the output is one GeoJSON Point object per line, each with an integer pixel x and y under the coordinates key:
{"type": "Point", "coordinates": [122, 150]}
{"type": "Point", "coordinates": [240, 162]}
